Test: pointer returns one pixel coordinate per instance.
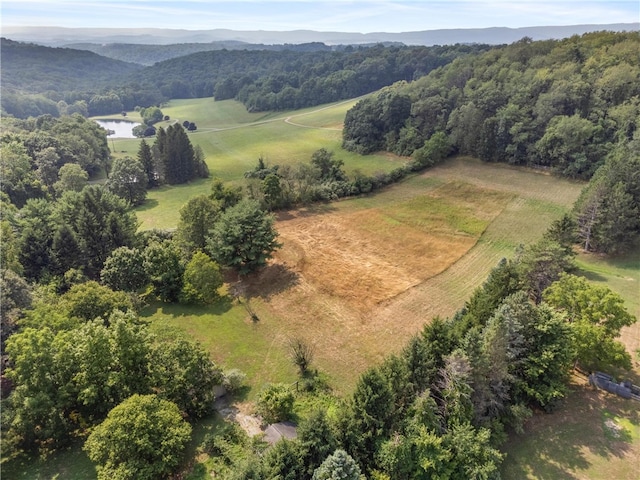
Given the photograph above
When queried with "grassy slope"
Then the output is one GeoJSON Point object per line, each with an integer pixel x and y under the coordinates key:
{"type": "Point", "coordinates": [233, 139]}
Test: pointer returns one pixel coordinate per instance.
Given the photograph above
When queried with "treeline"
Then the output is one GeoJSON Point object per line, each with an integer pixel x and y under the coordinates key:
{"type": "Point", "coordinates": [44, 157]}
{"type": "Point", "coordinates": [442, 407]}
{"type": "Point", "coordinates": [295, 77]}
{"type": "Point", "coordinates": [150, 54]}
{"type": "Point", "coordinates": [39, 80]}
{"type": "Point", "coordinates": [265, 80]}
{"type": "Point", "coordinates": [324, 178]}
{"type": "Point", "coordinates": [557, 104]}
{"type": "Point", "coordinates": [570, 106]}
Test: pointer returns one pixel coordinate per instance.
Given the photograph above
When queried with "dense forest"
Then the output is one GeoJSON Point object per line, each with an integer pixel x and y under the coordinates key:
{"type": "Point", "coordinates": [79, 362]}
{"type": "Point", "coordinates": [261, 79]}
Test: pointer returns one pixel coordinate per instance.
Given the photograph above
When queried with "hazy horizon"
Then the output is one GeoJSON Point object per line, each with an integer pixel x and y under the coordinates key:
{"type": "Point", "coordinates": [328, 16]}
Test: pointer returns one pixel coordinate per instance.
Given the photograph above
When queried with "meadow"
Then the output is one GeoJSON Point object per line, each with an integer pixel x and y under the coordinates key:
{"type": "Point", "coordinates": [357, 278]}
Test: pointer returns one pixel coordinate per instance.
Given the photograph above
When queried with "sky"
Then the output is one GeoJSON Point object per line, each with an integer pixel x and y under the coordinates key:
{"type": "Point", "coordinates": [328, 16]}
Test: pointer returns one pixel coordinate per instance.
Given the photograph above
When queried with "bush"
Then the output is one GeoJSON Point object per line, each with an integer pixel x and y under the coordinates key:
{"type": "Point", "coordinates": [275, 403]}
{"type": "Point", "coordinates": [233, 380]}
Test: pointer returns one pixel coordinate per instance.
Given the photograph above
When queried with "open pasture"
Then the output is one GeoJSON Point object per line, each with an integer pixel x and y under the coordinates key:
{"type": "Point", "coordinates": [357, 278]}
{"type": "Point", "coordinates": [233, 139]}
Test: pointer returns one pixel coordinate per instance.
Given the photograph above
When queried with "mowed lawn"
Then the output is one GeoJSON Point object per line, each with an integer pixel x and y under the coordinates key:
{"type": "Point", "coordinates": [232, 140]}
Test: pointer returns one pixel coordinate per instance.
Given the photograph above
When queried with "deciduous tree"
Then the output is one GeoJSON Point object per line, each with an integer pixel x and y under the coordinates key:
{"type": "Point", "coordinates": [143, 438]}
{"type": "Point", "coordinates": [244, 237]}
{"type": "Point", "coordinates": [201, 280]}
{"type": "Point", "coordinates": [596, 316]}
{"type": "Point", "coordinates": [128, 180]}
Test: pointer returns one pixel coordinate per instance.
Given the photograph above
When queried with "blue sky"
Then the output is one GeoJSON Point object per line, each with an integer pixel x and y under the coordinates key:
{"type": "Point", "coordinates": [339, 15]}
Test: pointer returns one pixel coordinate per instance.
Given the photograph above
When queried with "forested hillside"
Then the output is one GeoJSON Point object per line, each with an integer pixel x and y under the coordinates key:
{"type": "Point", "coordinates": [47, 76]}
{"type": "Point", "coordinates": [559, 104]}
{"type": "Point", "coordinates": [261, 79]}
{"type": "Point", "coordinates": [150, 54]}
{"type": "Point", "coordinates": [569, 106]}
{"type": "Point", "coordinates": [265, 80]}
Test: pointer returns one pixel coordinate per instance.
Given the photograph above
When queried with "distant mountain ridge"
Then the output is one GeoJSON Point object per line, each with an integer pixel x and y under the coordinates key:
{"type": "Point", "coordinates": [60, 36]}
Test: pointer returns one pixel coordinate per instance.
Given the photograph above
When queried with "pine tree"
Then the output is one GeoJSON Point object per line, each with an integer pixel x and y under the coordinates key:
{"type": "Point", "coordinates": [177, 156]}
{"type": "Point", "coordinates": [145, 156]}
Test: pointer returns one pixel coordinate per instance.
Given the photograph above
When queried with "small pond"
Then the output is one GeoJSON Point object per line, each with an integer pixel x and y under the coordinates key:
{"type": "Point", "coordinates": [121, 128]}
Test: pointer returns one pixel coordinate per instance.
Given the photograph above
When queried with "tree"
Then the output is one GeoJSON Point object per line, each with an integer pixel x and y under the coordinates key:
{"type": "Point", "coordinates": [607, 210]}
{"type": "Point", "coordinates": [151, 115]}
{"type": "Point", "coordinates": [472, 455]}
{"type": "Point", "coordinates": [145, 157]}
{"type": "Point", "coordinates": [177, 155]}
{"type": "Point", "coordinates": [283, 461]}
{"type": "Point", "coordinates": [72, 178]}
{"type": "Point", "coordinates": [142, 438]}
{"type": "Point", "coordinates": [275, 403]}
{"type": "Point", "coordinates": [197, 217]}
{"type": "Point", "coordinates": [596, 316]}
{"type": "Point", "coordinates": [455, 389]}
{"type": "Point", "coordinates": [338, 466]}
{"type": "Point", "coordinates": [244, 237]}
{"type": "Point", "coordinates": [225, 194]}
{"type": "Point", "coordinates": [15, 296]}
{"type": "Point", "coordinates": [541, 264]}
{"type": "Point", "coordinates": [330, 169]}
{"type": "Point", "coordinates": [19, 181]}
{"type": "Point", "coordinates": [47, 161]}
{"type": "Point", "coordinates": [317, 440]}
{"type": "Point", "coordinates": [91, 300]}
{"type": "Point", "coordinates": [124, 270]}
{"type": "Point", "coordinates": [165, 269]}
{"type": "Point", "coordinates": [369, 417]}
{"type": "Point", "coordinates": [201, 280]}
{"type": "Point", "coordinates": [35, 238]}
{"type": "Point", "coordinates": [503, 280]}
{"type": "Point", "coordinates": [65, 251]}
{"type": "Point", "coordinates": [100, 221]}
{"type": "Point", "coordinates": [272, 190]}
{"type": "Point", "coordinates": [301, 353]}
{"type": "Point", "coordinates": [434, 150]}
{"type": "Point", "coordinates": [183, 373]}
{"type": "Point", "coordinates": [539, 350]}
{"type": "Point", "coordinates": [128, 180]}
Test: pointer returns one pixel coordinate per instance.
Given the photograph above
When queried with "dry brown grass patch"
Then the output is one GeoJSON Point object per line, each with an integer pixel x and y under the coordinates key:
{"type": "Point", "coordinates": [368, 255]}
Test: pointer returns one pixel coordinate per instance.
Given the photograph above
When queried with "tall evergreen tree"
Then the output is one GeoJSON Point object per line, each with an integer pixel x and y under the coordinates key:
{"type": "Point", "coordinates": [100, 221]}
{"type": "Point", "coordinates": [177, 156]}
{"type": "Point", "coordinates": [145, 157]}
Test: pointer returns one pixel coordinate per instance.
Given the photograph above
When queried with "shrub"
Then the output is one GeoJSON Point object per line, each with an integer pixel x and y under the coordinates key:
{"type": "Point", "coordinates": [275, 403]}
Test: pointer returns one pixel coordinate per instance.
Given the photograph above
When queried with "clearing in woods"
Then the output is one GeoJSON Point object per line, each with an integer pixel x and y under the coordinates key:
{"type": "Point", "coordinates": [357, 278]}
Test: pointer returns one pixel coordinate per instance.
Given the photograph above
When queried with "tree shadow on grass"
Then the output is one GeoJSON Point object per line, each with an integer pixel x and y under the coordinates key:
{"type": "Point", "coordinates": [148, 204]}
{"type": "Point", "coordinates": [267, 282]}
{"type": "Point", "coordinates": [591, 276]}
{"type": "Point", "coordinates": [306, 211]}
{"type": "Point", "coordinates": [221, 306]}
{"type": "Point", "coordinates": [563, 444]}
